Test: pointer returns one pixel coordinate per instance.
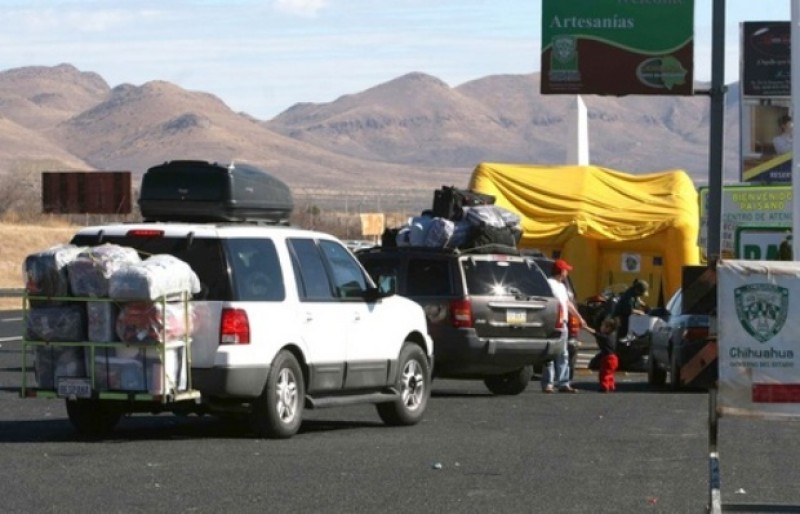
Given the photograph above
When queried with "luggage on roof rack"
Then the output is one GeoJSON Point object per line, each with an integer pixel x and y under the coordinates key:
{"type": "Point", "coordinates": [201, 191]}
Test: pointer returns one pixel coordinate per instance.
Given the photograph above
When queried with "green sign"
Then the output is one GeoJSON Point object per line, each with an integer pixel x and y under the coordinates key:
{"type": "Point", "coordinates": [617, 47]}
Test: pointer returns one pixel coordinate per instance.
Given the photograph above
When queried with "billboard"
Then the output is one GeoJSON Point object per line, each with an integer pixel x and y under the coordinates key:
{"type": "Point", "coordinates": [765, 102]}
{"type": "Point", "coordinates": [609, 47]}
{"type": "Point", "coordinates": [86, 192]}
{"type": "Point", "coordinates": [760, 208]}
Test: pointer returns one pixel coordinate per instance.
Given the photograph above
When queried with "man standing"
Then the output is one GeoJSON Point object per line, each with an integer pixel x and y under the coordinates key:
{"type": "Point", "coordinates": [630, 303]}
{"type": "Point", "coordinates": [556, 374]}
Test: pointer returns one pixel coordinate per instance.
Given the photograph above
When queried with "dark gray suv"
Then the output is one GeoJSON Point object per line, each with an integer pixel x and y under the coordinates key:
{"type": "Point", "coordinates": [492, 316]}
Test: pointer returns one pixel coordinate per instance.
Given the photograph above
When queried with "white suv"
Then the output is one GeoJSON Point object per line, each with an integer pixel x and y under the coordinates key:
{"type": "Point", "coordinates": [286, 319]}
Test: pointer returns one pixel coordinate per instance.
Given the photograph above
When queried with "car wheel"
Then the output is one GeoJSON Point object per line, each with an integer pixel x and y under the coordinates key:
{"type": "Point", "coordinates": [278, 412]}
{"type": "Point", "coordinates": [510, 383]}
{"type": "Point", "coordinates": [656, 376]}
{"type": "Point", "coordinates": [92, 418]}
{"type": "Point", "coordinates": [414, 386]}
{"type": "Point", "coordinates": [674, 370]}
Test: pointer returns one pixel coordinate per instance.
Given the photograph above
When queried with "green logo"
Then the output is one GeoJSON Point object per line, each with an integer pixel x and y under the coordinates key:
{"type": "Point", "coordinates": [564, 59]}
{"type": "Point", "coordinates": [661, 72]}
{"type": "Point", "coordinates": [762, 309]}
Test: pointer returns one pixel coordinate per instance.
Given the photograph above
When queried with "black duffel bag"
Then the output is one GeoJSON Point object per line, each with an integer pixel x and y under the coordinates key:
{"type": "Point", "coordinates": [449, 201]}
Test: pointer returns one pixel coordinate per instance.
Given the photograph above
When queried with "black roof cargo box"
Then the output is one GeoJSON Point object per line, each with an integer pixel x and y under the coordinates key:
{"type": "Point", "coordinates": [202, 191]}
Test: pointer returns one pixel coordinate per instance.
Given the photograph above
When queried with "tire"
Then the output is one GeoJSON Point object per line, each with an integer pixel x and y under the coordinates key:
{"type": "Point", "coordinates": [511, 383]}
{"type": "Point", "coordinates": [674, 370]}
{"type": "Point", "coordinates": [656, 376]}
{"type": "Point", "coordinates": [278, 412]}
{"type": "Point", "coordinates": [414, 385]}
{"type": "Point", "coordinates": [92, 418]}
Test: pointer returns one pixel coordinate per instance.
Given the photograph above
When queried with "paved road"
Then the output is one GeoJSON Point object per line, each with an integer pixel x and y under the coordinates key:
{"type": "Point", "coordinates": [633, 451]}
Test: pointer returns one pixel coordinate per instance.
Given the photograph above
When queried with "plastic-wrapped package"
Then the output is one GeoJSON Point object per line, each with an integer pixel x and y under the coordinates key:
{"type": "Point", "coordinates": [418, 229]}
{"type": "Point", "coordinates": [159, 276]}
{"type": "Point", "coordinates": [484, 215]}
{"type": "Point", "coordinates": [90, 271]}
{"type": "Point", "coordinates": [45, 272]}
{"type": "Point", "coordinates": [142, 371]}
{"type": "Point", "coordinates": [439, 233]}
{"type": "Point", "coordinates": [64, 323]}
{"type": "Point", "coordinates": [511, 218]}
{"type": "Point", "coordinates": [462, 231]}
{"type": "Point", "coordinates": [101, 319]}
{"type": "Point", "coordinates": [52, 362]}
{"type": "Point", "coordinates": [403, 235]}
{"type": "Point", "coordinates": [145, 323]}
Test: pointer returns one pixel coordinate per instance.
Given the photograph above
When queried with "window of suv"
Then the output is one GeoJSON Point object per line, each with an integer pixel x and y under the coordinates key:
{"type": "Point", "coordinates": [505, 277]}
{"type": "Point", "coordinates": [256, 270]}
{"type": "Point", "coordinates": [312, 263]}
{"type": "Point", "coordinates": [309, 270]}
{"type": "Point", "coordinates": [348, 278]}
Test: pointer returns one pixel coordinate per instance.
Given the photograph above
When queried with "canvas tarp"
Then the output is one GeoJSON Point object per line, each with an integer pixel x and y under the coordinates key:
{"type": "Point", "coordinates": [597, 218]}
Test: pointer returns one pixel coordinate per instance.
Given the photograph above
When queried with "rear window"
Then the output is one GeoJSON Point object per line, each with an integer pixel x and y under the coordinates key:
{"type": "Point", "coordinates": [505, 277]}
{"type": "Point", "coordinates": [205, 256]}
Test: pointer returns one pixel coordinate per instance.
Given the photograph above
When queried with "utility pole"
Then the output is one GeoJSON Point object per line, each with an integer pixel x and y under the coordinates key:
{"type": "Point", "coordinates": [795, 92]}
{"type": "Point", "coordinates": [716, 137]}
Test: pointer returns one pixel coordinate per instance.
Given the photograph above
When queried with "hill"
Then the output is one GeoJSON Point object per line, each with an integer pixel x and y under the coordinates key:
{"type": "Point", "coordinates": [392, 143]}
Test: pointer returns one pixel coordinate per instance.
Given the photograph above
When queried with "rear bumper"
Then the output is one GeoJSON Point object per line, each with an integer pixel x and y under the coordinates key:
{"type": "Point", "coordinates": [230, 382]}
{"type": "Point", "coordinates": [463, 354]}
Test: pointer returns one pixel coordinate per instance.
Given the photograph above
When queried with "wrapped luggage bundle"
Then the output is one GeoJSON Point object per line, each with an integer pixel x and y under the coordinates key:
{"type": "Point", "coordinates": [158, 276]}
{"type": "Point", "coordinates": [141, 369]}
{"type": "Point", "coordinates": [90, 271]}
{"type": "Point", "coordinates": [60, 323]}
{"type": "Point", "coordinates": [45, 272]}
{"type": "Point", "coordinates": [53, 362]}
{"type": "Point", "coordinates": [148, 322]}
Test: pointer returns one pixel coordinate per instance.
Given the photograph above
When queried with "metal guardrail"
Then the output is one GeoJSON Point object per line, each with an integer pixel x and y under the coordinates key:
{"type": "Point", "coordinates": [12, 292]}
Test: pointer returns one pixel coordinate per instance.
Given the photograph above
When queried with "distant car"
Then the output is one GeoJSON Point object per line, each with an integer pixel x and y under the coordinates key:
{"type": "Point", "coordinates": [674, 339]}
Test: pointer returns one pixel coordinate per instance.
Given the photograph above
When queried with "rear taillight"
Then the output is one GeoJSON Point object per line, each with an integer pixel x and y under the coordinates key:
{"type": "Point", "coordinates": [695, 333]}
{"type": "Point", "coordinates": [235, 327]}
{"type": "Point", "coordinates": [560, 317]}
{"type": "Point", "coordinates": [574, 326]}
{"type": "Point", "coordinates": [461, 313]}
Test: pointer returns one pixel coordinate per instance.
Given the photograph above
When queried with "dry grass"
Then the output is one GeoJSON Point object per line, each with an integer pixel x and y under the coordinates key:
{"type": "Point", "coordinates": [17, 241]}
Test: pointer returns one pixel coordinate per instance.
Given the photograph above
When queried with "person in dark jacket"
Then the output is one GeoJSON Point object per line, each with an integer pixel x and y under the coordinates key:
{"type": "Point", "coordinates": [630, 302]}
{"type": "Point", "coordinates": [609, 362]}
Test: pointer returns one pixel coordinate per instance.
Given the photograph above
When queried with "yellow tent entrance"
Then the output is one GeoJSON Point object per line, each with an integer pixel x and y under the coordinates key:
{"type": "Point", "coordinates": [612, 226]}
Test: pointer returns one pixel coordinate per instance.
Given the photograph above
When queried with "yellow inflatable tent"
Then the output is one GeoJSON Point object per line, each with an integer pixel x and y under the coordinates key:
{"type": "Point", "coordinates": [611, 226]}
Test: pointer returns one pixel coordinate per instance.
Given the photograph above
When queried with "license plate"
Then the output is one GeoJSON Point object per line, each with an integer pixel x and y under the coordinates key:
{"type": "Point", "coordinates": [74, 388]}
{"type": "Point", "coordinates": [515, 316]}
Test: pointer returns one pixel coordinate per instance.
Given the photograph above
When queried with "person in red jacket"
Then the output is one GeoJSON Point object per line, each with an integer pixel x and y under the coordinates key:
{"type": "Point", "coordinates": [606, 339]}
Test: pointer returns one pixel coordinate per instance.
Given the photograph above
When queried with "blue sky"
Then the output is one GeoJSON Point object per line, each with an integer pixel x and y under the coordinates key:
{"type": "Point", "coordinates": [261, 57]}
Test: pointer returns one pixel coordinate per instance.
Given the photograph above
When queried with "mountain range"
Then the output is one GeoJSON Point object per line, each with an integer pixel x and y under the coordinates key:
{"type": "Point", "coordinates": [394, 142]}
